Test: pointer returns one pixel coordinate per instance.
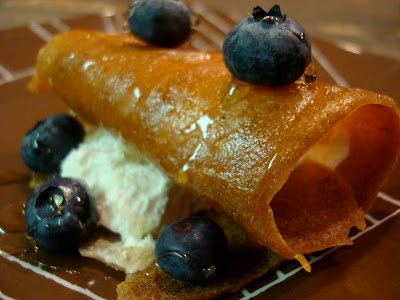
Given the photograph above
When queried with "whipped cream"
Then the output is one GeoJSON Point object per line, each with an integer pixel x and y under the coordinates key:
{"type": "Point", "coordinates": [332, 150]}
{"type": "Point", "coordinates": [130, 194]}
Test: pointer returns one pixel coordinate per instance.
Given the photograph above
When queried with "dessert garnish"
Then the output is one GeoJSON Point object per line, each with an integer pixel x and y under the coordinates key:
{"type": "Point", "coordinates": [267, 48]}
{"type": "Point", "coordinates": [46, 144]}
{"type": "Point", "coordinates": [191, 249]}
{"type": "Point", "coordinates": [60, 214]}
{"type": "Point", "coordinates": [164, 23]}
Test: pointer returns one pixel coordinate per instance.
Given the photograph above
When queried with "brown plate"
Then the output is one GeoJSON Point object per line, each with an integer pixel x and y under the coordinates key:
{"type": "Point", "coordinates": [369, 269]}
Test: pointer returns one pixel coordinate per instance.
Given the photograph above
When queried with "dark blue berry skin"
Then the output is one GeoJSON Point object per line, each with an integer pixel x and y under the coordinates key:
{"type": "Point", "coordinates": [60, 214]}
{"type": "Point", "coordinates": [191, 249]}
{"type": "Point", "coordinates": [163, 23]}
{"type": "Point", "coordinates": [45, 146]}
{"type": "Point", "coordinates": [267, 49]}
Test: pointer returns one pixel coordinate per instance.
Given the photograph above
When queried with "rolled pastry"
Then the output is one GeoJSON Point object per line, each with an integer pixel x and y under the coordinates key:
{"type": "Point", "coordinates": [295, 166]}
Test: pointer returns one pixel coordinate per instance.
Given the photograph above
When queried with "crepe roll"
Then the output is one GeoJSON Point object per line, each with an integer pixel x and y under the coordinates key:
{"type": "Point", "coordinates": [295, 166]}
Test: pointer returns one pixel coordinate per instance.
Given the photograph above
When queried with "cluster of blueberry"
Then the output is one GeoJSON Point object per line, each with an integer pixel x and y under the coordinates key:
{"type": "Point", "coordinates": [267, 48]}
{"type": "Point", "coordinates": [60, 214]}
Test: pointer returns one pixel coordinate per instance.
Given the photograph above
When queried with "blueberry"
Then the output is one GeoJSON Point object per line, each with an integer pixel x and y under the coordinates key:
{"type": "Point", "coordinates": [164, 23]}
{"type": "Point", "coordinates": [191, 249]}
{"type": "Point", "coordinates": [45, 146]}
{"type": "Point", "coordinates": [60, 214]}
{"type": "Point", "coordinates": [267, 49]}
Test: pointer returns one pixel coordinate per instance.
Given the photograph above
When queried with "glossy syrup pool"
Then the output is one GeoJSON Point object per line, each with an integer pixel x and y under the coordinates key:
{"type": "Point", "coordinates": [310, 73]}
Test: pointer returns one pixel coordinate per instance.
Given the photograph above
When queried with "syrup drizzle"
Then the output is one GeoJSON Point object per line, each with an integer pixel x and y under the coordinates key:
{"type": "Point", "coordinates": [11, 176]}
{"type": "Point", "coordinates": [310, 74]}
{"type": "Point", "coordinates": [50, 276]}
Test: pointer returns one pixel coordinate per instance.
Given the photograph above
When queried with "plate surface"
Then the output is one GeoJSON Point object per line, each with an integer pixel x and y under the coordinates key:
{"type": "Point", "coordinates": [368, 269]}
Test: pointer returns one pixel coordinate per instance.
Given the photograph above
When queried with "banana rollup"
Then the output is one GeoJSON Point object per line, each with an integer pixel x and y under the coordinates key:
{"type": "Point", "coordinates": [295, 166]}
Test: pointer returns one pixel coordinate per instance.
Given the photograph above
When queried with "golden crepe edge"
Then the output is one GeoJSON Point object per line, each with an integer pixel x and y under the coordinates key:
{"type": "Point", "coordinates": [234, 145]}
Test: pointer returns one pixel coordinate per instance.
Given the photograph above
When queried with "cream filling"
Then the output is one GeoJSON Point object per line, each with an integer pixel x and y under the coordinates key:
{"type": "Point", "coordinates": [130, 194]}
{"type": "Point", "coordinates": [331, 151]}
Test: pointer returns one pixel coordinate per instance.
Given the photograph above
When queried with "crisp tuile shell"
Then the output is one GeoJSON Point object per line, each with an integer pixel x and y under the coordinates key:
{"type": "Point", "coordinates": [233, 145]}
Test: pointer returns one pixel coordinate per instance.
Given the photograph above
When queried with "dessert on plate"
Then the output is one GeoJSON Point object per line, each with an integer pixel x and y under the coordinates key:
{"type": "Point", "coordinates": [291, 167]}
